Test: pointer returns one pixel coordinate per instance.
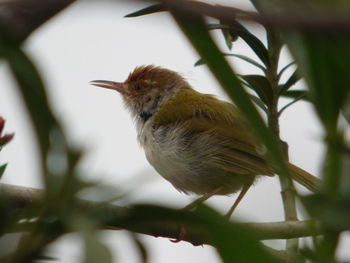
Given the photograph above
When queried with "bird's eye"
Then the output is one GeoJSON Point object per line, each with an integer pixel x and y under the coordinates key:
{"type": "Point", "coordinates": [148, 99]}
{"type": "Point", "coordinates": [138, 87]}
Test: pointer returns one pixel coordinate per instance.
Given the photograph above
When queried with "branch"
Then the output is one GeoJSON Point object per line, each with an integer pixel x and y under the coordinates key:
{"type": "Point", "coordinates": [296, 16]}
{"type": "Point", "coordinates": [133, 219]}
{"type": "Point", "coordinates": [25, 16]}
{"type": "Point", "coordinates": [287, 187]}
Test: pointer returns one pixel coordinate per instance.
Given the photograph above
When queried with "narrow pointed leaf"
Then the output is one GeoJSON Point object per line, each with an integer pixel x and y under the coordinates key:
{"type": "Point", "coordinates": [229, 35]}
{"type": "Point", "coordinates": [324, 58]}
{"type": "Point", "coordinates": [323, 55]}
{"type": "Point", "coordinates": [259, 103]}
{"type": "Point", "coordinates": [148, 10]}
{"type": "Point", "coordinates": [261, 86]}
{"type": "Point", "coordinates": [289, 104]}
{"type": "Point", "coordinates": [252, 41]}
{"type": "Point", "coordinates": [248, 60]}
{"type": "Point", "coordinates": [228, 38]}
{"type": "Point", "coordinates": [255, 44]}
{"type": "Point", "coordinates": [199, 62]}
{"type": "Point", "coordinates": [233, 249]}
{"type": "Point", "coordinates": [242, 57]}
{"type": "Point", "coordinates": [285, 68]}
{"type": "Point", "coordinates": [2, 169]}
{"type": "Point", "coordinates": [294, 78]}
{"type": "Point", "coordinates": [33, 92]}
{"type": "Point", "coordinates": [294, 94]}
{"type": "Point", "coordinates": [31, 88]}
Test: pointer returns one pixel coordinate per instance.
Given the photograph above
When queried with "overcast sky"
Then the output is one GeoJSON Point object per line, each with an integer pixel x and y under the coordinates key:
{"type": "Point", "coordinates": [93, 41]}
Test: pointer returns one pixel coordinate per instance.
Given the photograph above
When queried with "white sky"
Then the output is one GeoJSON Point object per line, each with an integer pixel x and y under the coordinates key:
{"type": "Point", "coordinates": [93, 41]}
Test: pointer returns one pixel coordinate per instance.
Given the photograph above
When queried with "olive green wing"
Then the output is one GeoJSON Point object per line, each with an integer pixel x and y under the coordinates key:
{"type": "Point", "coordinates": [229, 151]}
{"type": "Point", "coordinates": [217, 128]}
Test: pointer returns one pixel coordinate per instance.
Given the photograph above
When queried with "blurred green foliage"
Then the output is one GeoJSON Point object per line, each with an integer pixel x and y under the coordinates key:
{"type": "Point", "coordinates": [318, 38]}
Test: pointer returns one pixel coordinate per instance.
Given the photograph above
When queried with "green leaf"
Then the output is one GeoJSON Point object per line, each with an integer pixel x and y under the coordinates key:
{"type": "Point", "coordinates": [261, 86]}
{"type": "Point", "coordinates": [95, 250]}
{"type": "Point", "coordinates": [332, 211]}
{"type": "Point", "coordinates": [323, 57]}
{"type": "Point", "coordinates": [31, 88]}
{"type": "Point", "coordinates": [295, 94]}
{"type": "Point", "coordinates": [294, 78]}
{"type": "Point", "coordinates": [196, 31]}
{"type": "Point", "coordinates": [285, 68]}
{"type": "Point", "coordinates": [229, 35]}
{"type": "Point", "coordinates": [259, 103]}
{"type": "Point", "coordinates": [2, 169]}
{"type": "Point", "coordinates": [49, 133]}
{"type": "Point", "coordinates": [228, 38]}
{"type": "Point", "coordinates": [242, 57]}
{"type": "Point", "coordinates": [199, 62]}
{"type": "Point", "coordinates": [147, 10]}
{"type": "Point", "coordinates": [249, 60]}
{"type": "Point", "coordinates": [289, 104]}
{"type": "Point", "coordinates": [242, 248]}
{"type": "Point", "coordinates": [253, 42]}
{"type": "Point", "coordinates": [231, 32]}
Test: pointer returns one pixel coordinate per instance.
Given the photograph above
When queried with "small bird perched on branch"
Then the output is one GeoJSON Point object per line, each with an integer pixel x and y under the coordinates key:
{"type": "Point", "coordinates": [197, 142]}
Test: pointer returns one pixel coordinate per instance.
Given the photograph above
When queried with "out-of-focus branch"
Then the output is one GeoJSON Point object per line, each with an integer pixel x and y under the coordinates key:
{"type": "Point", "coordinates": [295, 16]}
{"type": "Point", "coordinates": [24, 16]}
{"type": "Point", "coordinates": [128, 218]}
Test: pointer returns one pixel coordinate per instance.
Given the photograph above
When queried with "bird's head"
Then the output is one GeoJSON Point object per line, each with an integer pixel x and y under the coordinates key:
{"type": "Point", "coordinates": [146, 89]}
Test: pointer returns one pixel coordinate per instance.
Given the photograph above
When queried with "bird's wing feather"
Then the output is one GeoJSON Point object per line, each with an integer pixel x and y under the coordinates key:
{"type": "Point", "coordinates": [230, 152]}
{"type": "Point", "coordinates": [220, 128]}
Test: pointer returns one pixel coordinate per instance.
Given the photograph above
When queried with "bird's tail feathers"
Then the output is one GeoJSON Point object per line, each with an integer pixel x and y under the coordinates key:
{"type": "Point", "coordinates": [304, 178]}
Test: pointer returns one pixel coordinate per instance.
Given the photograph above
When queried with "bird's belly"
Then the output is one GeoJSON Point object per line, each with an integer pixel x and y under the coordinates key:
{"type": "Point", "coordinates": [188, 166]}
{"type": "Point", "coordinates": [168, 160]}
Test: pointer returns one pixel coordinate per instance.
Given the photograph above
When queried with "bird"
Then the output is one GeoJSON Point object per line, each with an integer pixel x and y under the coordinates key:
{"type": "Point", "coordinates": [199, 143]}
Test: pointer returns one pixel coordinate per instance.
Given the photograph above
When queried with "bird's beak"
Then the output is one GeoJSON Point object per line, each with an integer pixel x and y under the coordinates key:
{"type": "Point", "coordinates": [118, 86]}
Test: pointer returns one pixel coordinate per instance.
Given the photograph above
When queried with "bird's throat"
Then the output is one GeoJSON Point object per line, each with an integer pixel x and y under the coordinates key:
{"type": "Point", "coordinates": [145, 115]}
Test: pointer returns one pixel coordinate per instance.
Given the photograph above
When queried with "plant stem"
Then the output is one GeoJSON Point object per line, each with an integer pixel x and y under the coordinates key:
{"type": "Point", "coordinates": [287, 188]}
{"type": "Point", "coordinates": [109, 216]}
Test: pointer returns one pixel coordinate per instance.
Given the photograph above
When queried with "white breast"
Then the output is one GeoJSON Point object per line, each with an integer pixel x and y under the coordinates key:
{"type": "Point", "coordinates": [163, 149]}
{"type": "Point", "coordinates": [190, 164]}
